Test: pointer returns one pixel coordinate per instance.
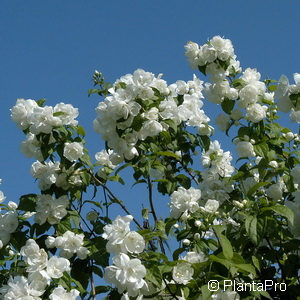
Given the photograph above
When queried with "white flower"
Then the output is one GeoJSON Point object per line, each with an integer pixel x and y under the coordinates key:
{"type": "Point", "coordinates": [150, 128]}
{"type": "Point", "coordinates": [66, 113]}
{"type": "Point", "coordinates": [195, 257]}
{"type": "Point", "coordinates": [133, 242]}
{"type": "Point", "coordinates": [9, 222]}
{"type": "Point", "coordinates": [57, 266]}
{"type": "Point", "coordinates": [31, 147]}
{"type": "Point", "coordinates": [50, 209]}
{"type": "Point", "coordinates": [12, 205]}
{"type": "Point", "coordinates": [22, 111]}
{"type": "Point", "coordinates": [60, 293]}
{"type": "Point", "coordinates": [217, 160]}
{"type": "Point", "coordinates": [35, 258]}
{"type": "Point", "coordinates": [273, 164]}
{"type": "Point", "coordinates": [295, 115]}
{"type": "Point", "coordinates": [108, 158]}
{"type": "Point", "coordinates": [256, 112]}
{"type": "Point", "coordinates": [19, 287]}
{"type": "Point", "coordinates": [211, 206]}
{"type": "Point", "coordinates": [184, 202]}
{"type": "Point", "coordinates": [73, 151]}
{"type": "Point", "coordinates": [70, 244]}
{"type": "Point", "coordinates": [126, 274]}
{"type": "Point", "coordinates": [121, 239]}
{"type": "Point", "coordinates": [47, 173]}
{"type": "Point", "coordinates": [182, 273]}
{"type": "Point", "coordinates": [2, 197]}
{"type": "Point", "coordinates": [118, 229]}
{"type": "Point", "coordinates": [245, 149]}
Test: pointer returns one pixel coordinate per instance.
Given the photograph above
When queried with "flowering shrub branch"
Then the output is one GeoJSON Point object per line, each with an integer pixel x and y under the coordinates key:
{"type": "Point", "coordinates": [238, 223]}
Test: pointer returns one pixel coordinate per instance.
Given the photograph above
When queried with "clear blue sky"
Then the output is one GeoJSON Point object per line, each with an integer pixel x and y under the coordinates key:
{"type": "Point", "coordinates": [49, 49]}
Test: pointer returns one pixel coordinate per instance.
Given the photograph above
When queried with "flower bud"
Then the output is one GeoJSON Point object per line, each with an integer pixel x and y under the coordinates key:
{"type": "Point", "coordinates": [198, 223]}
{"type": "Point", "coordinates": [92, 216]}
{"type": "Point", "coordinates": [186, 242]}
{"type": "Point", "coordinates": [197, 236]}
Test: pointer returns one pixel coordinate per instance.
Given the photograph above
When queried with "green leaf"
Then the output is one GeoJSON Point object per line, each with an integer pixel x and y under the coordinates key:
{"type": "Point", "coordinates": [225, 243]}
{"type": "Point", "coordinates": [154, 275]}
{"type": "Point", "coordinates": [27, 202]}
{"type": "Point", "coordinates": [80, 130]}
{"type": "Point", "coordinates": [202, 69]}
{"type": "Point", "coordinates": [261, 149]}
{"type": "Point", "coordinates": [205, 141]}
{"type": "Point", "coordinates": [168, 154]}
{"type": "Point", "coordinates": [206, 293]}
{"type": "Point", "coordinates": [251, 228]}
{"type": "Point", "coordinates": [58, 113]}
{"type": "Point", "coordinates": [227, 105]}
{"type": "Point", "coordinates": [246, 267]}
{"type": "Point", "coordinates": [255, 187]}
{"type": "Point", "coordinates": [283, 211]}
{"type": "Point", "coordinates": [256, 263]}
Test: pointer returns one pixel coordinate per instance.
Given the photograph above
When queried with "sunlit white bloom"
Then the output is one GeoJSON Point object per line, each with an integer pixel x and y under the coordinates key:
{"type": "Point", "coordinates": [66, 113]}
{"type": "Point", "coordinates": [19, 287]}
{"type": "Point", "coordinates": [50, 209]}
{"type": "Point", "coordinates": [217, 160]}
{"type": "Point", "coordinates": [73, 151]}
{"type": "Point", "coordinates": [121, 239]}
{"type": "Point", "coordinates": [256, 112]}
{"type": "Point", "coordinates": [59, 293]}
{"type": "Point", "coordinates": [211, 206]}
{"type": "Point", "coordinates": [273, 164]}
{"type": "Point", "coordinates": [56, 266]}
{"type": "Point", "coordinates": [126, 274]}
{"type": "Point", "coordinates": [183, 202]}
{"type": "Point", "coordinates": [245, 149]}
{"type": "Point", "coordinates": [195, 257]}
{"type": "Point", "coordinates": [2, 197]}
{"type": "Point", "coordinates": [31, 147]}
{"type": "Point", "coordinates": [295, 115]}
{"type": "Point", "coordinates": [108, 158]}
{"type": "Point", "coordinates": [182, 273]}
{"type": "Point", "coordinates": [22, 111]}
{"type": "Point", "coordinates": [69, 244]}
{"type": "Point", "coordinates": [47, 173]}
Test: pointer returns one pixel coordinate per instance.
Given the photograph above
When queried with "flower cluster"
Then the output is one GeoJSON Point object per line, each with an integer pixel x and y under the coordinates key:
{"type": "Point", "coordinates": [69, 244]}
{"type": "Point", "coordinates": [125, 273]}
{"type": "Point", "coordinates": [40, 271]}
{"type": "Point", "coordinates": [37, 119]}
{"type": "Point", "coordinates": [288, 96]}
{"type": "Point", "coordinates": [139, 106]}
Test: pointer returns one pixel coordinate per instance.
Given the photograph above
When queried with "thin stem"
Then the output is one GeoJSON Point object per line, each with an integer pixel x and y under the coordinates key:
{"type": "Point", "coordinates": [114, 197]}
{"type": "Point", "coordinates": [85, 223]}
{"type": "Point", "coordinates": [161, 244]}
{"type": "Point", "coordinates": [106, 203]}
{"type": "Point", "coordinates": [92, 282]}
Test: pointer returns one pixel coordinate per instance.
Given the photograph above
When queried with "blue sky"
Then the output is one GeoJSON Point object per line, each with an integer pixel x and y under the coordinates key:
{"type": "Point", "coordinates": [49, 49]}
